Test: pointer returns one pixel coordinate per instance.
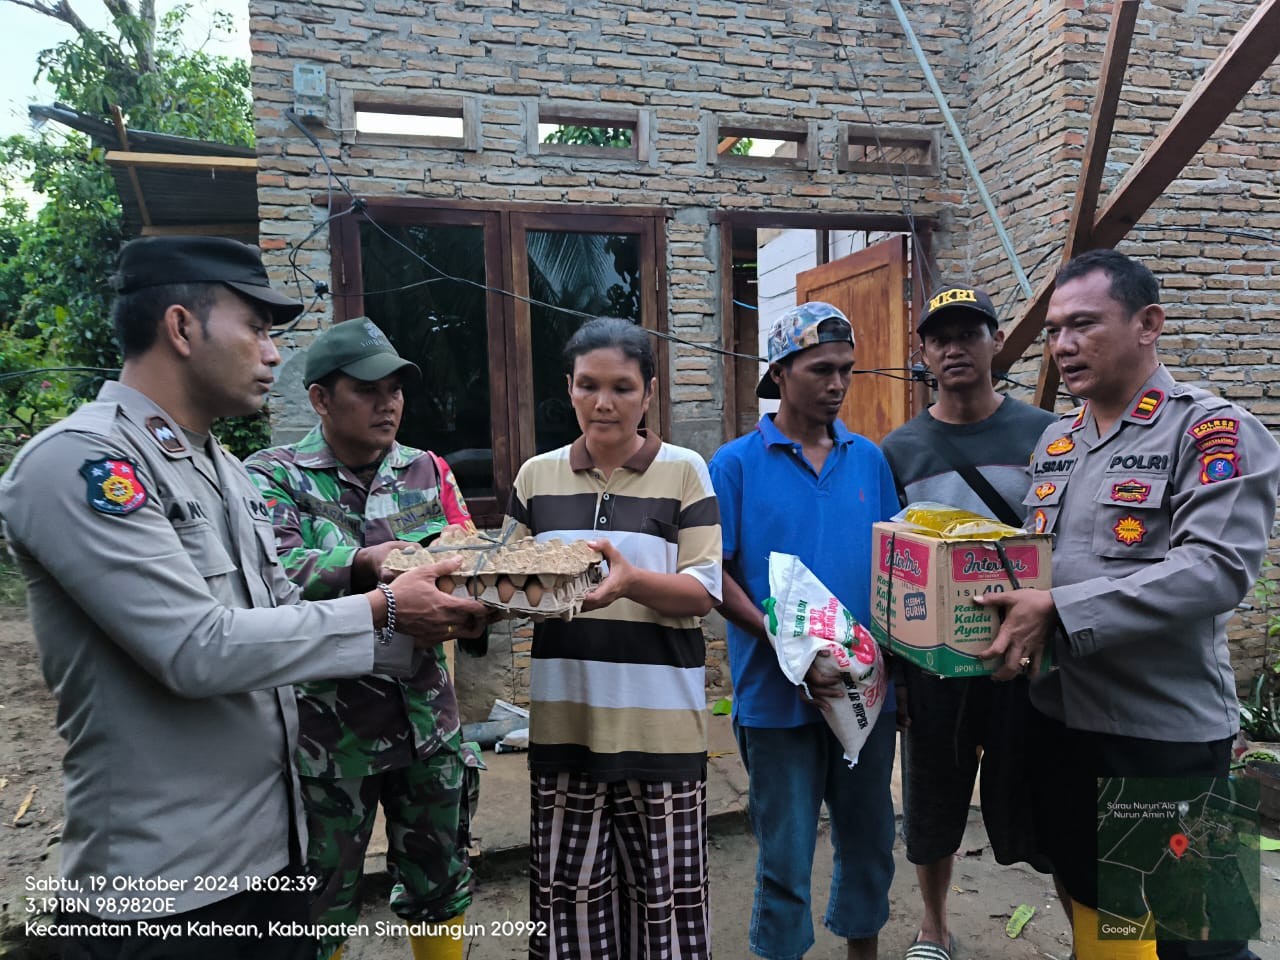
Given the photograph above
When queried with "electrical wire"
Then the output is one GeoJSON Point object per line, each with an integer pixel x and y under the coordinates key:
{"type": "Point", "coordinates": [929, 277]}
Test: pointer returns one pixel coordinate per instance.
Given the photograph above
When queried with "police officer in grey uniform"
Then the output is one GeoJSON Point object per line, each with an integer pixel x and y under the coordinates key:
{"type": "Point", "coordinates": [1161, 498]}
{"type": "Point", "coordinates": [168, 631]}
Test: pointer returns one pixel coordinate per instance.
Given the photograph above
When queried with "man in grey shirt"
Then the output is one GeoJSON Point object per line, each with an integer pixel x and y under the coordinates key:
{"type": "Point", "coordinates": [1161, 498]}
{"type": "Point", "coordinates": [971, 435]}
{"type": "Point", "coordinates": [167, 628]}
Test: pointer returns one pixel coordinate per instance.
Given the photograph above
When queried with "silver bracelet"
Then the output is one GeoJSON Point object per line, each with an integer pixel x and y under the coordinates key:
{"type": "Point", "coordinates": [386, 633]}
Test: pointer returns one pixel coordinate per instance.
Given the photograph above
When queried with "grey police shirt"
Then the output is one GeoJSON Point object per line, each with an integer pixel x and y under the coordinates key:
{"type": "Point", "coordinates": [1160, 528]}
{"type": "Point", "coordinates": [166, 628]}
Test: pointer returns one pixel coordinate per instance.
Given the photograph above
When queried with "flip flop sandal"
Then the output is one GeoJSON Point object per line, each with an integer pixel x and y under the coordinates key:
{"type": "Point", "coordinates": [928, 950]}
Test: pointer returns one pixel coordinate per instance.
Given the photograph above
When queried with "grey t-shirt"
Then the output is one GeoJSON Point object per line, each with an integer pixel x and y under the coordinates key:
{"type": "Point", "coordinates": [1000, 447]}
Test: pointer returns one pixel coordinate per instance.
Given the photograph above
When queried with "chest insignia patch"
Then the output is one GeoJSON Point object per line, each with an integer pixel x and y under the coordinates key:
{"type": "Point", "coordinates": [164, 435]}
{"type": "Point", "coordinates": [1148, 404]}
{"type": "Point", "coordinates": [1130, 491]}
{"type": "Point", "coordinates": [1041, 522]}
{"type": "Point", "coordinates": [112, 486]}
{"type": "Point", "coordinates": [1129, 530]}
{"type": "Point", "coordinates": [1046, 490]}
{"type": "Point", "coordinates": [1060, 446]}
{"type": "Point", "coordinates": [1217, 465]}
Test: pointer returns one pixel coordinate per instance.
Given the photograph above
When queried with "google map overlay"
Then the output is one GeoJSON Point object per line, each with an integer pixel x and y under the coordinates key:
{"type": "Point", "coordinates": [1178, 859]}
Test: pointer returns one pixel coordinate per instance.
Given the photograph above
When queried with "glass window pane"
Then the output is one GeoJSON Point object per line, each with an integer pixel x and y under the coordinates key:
{"type": "Point", "coordinates": [439, 324]}
{"type": "Point", "coordinates": [591, 273]}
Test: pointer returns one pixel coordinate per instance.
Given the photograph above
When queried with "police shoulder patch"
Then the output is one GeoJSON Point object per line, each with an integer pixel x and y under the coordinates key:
{"type": "Point", "coordinates": [112, 486]}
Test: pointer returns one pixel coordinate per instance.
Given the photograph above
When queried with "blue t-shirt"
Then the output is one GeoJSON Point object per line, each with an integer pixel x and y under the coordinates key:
{"type": "Point", "coordinates": [771, 500]}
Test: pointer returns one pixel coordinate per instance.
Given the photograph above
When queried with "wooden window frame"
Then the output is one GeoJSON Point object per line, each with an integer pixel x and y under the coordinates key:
{"type": "Point", "coordinates": [594, 115]}
{"type": "Point", "coordinates": [803, 134]}
{"type": "Point", "coordinates": [512, 428]}
{"type": "Point", "coordinates": [352, 100]}
{"type": "Point", "coordinates": [852, 134]}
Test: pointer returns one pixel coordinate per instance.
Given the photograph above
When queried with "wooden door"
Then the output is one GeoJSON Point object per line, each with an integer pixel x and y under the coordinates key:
{"type": "Point", "coordinates": [871, 287]}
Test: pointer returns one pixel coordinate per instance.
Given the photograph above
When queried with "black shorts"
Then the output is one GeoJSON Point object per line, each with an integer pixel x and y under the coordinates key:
{"type": "Point", "coordinates": [952, 722]}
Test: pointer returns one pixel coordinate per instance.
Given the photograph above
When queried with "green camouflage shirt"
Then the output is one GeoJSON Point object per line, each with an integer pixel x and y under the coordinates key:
{"type": "Point", "coordinates": [322, 514]}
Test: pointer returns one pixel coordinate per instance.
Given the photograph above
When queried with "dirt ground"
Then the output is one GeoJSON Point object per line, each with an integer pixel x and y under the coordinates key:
{"type": "Point", "coordinates": [983, 894]}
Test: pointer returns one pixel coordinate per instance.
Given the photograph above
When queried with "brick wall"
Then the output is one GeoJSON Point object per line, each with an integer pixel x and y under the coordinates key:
{"type": "Point", "coordinates": [684, 60]}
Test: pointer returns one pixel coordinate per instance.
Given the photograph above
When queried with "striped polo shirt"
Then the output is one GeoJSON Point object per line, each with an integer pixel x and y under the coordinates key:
{"type": "Point", "coordinates": [619, 693]}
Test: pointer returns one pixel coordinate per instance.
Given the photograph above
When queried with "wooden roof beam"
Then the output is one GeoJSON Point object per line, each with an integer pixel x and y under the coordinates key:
{"type": "Point", "coordinates": [123, 134]}
{"type": "Point", "coordinates": [1208, 104]}
{"type": "Point", "coordinates": [180, 161]}
{"type": "Point", "coordinates": [1114, 62]}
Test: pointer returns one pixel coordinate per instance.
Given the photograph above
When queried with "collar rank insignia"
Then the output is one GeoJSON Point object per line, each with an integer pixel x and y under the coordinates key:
{"type": "Point", "coordinates": [1130, 491]}
{"type": "Point", "coordinates": [113, 486]}
{"type": "Point", "coordinates": [1215, 432]}
{"type": "Point", "coordinates": [1078, 422]}
{"type": "Point", "coordinates": [1046, 490]}
{"type": "Point", "coordinates": [1060, 446]}
{"type": "Point", "coordinates": [1129, 530]}
{"type": "Point", "coordinates": [1147, 404]}
{"type": "Point", "coordinates": [164, 435]}
{"type": "Point", "coordinates": [1217, 465]}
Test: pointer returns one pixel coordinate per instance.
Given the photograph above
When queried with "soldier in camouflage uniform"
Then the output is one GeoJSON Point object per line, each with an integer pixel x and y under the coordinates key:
{"type": "Point", "coordinates": [341, 499]}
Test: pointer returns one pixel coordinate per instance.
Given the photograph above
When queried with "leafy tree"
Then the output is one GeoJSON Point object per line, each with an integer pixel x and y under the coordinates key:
{"type": "Point", "coordinates": [54, 298]}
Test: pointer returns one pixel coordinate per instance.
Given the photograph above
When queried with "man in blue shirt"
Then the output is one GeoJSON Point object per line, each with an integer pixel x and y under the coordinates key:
{"type": "Point", "coordinates": [801, 483]}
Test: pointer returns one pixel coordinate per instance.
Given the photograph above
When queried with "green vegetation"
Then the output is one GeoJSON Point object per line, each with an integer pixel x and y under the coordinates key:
{"type": "Point", "coordinates": [54, 261]}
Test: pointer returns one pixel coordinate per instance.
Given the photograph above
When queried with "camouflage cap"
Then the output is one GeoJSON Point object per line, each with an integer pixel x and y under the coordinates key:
{"type": "Point", "coordinates": [799, 328]}
{"type": "Point", "coordinates": [357, 348]}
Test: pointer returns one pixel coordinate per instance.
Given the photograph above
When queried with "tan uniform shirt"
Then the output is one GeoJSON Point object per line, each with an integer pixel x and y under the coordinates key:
{"type": "Point", "coordinates": [1160, 528]}
{"type": "Point", "coordinates": [166, 629]}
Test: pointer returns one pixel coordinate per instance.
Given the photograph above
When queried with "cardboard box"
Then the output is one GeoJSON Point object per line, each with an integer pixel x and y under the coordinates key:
{"type": "Point", "coordinates": [922, 589]}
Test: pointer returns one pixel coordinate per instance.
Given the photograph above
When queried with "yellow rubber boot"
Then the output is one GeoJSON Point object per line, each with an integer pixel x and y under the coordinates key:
{"type": "Point", "coordinates": [444, 944]}
{"type": "Point", "coordinates": [337, 954]}
{"type": "Point", "coordinates": [1084, 928]}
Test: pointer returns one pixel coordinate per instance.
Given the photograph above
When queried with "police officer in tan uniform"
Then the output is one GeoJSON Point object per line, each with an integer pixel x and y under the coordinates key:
{"type": "Point", "coordinates": [168, 630]}
{"type": "Point", "coordinates": [1161, 498]}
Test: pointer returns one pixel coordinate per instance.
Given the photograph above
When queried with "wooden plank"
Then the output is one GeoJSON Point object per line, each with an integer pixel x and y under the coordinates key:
{"type": "Point", "coordinates": [123, 134]}
{"type": "Point", "coordinates": [1114, 61]}
{"type": "Point", "coordinates": [180, 161]}
{"type": "Point", "coordinates": [1101, 123]}
{"type": "Point", "coordinates": [1209, 103]}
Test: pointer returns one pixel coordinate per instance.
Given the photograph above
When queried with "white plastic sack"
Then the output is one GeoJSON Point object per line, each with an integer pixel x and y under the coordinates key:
{"type": "Point", "coordinates": [805, 619]}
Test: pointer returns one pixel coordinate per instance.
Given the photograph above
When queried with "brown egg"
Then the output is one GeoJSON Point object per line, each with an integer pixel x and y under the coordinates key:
{"type": "Point", "coordinates": [475, 586]}
{"type": "Point", "coordinates": [445, 584]}
{"type": "Point", "coordinates": [533, 592]}
{"type": "Point", "coordinates": [506, 590]}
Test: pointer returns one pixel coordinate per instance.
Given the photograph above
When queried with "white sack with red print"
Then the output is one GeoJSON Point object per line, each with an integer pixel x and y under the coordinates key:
{"type": "Point", "coordinates": [804, 619]}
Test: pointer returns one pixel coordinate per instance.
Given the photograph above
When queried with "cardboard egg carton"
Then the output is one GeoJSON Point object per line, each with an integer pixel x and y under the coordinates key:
{"type": "Point", "coordinates": [520, 578]}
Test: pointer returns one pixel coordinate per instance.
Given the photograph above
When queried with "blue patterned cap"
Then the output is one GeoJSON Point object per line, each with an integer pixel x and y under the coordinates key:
{"type": "Point", "coordinates": [799, 328]}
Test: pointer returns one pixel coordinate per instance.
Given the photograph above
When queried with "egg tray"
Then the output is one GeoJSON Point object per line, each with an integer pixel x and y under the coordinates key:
{"type": "Point", "coordinates": [523, 578]}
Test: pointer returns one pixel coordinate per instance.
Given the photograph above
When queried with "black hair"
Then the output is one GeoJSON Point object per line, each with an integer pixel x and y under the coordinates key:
{"type": "Point", "coordinates": [604, 333]}
{"type": "Point", "coordinates": [1132, 284]}
{"type": "Point", "coordinates": [136, 315]}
